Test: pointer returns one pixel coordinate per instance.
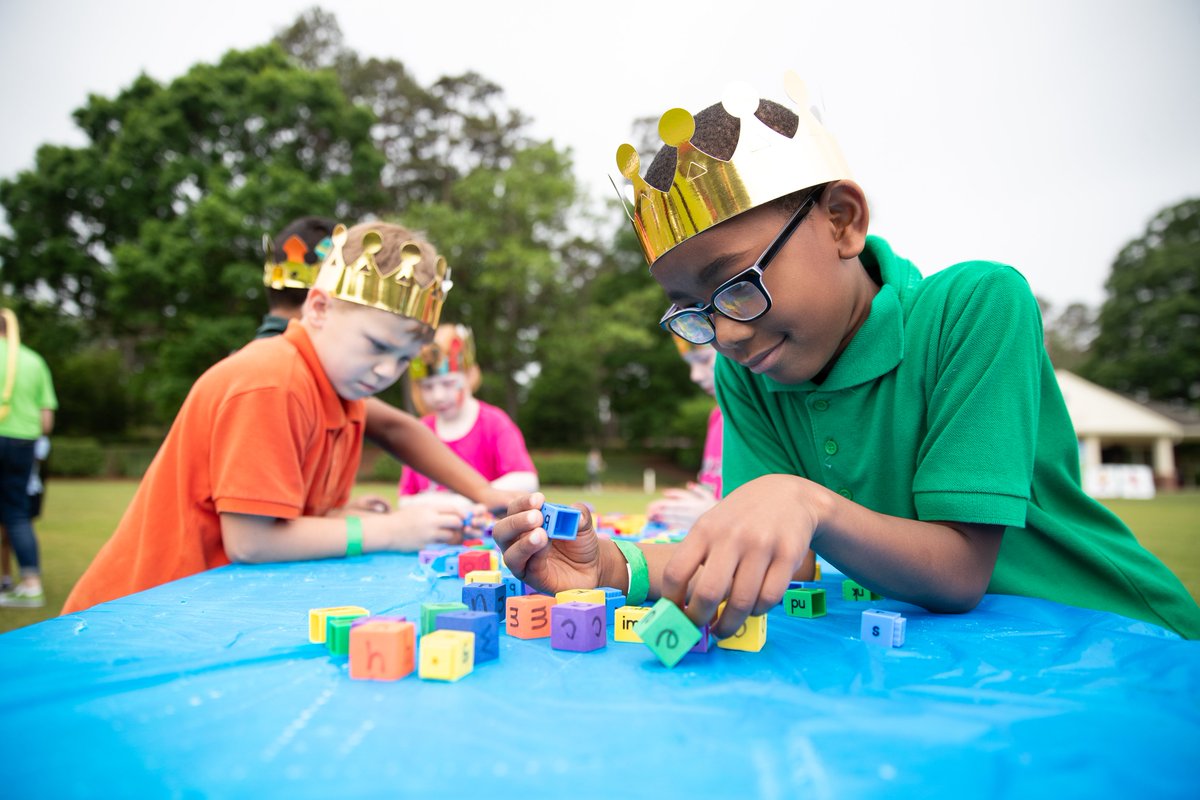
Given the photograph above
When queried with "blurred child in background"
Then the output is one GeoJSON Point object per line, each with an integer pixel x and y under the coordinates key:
{"type": "Point", "coordinates": [444, 379]}
{"type": "Point", "coordinates": [680, 508]}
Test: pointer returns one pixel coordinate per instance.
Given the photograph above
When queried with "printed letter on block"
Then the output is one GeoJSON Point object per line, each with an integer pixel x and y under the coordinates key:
{"type": "Point", "coordinates": [529, 616]}
{"type": "Point", "coordinates": [579, 627]}
{"type": "Point", "coordinates": [668, 632]}
{"type": "Point", "coordinates": [382, 650]}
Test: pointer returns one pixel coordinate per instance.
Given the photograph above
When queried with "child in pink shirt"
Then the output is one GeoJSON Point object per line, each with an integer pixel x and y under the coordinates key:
{"type": "Point", "coordinates": [444, 378]}
{"type": "Point", "coordinates": [680, 508]}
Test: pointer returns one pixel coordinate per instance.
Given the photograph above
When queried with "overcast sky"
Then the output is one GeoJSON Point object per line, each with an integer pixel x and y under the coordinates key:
{"type": "Point", "coordinates": [1042, 134]}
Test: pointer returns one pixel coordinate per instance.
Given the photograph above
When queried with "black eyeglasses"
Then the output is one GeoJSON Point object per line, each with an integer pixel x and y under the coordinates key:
{"type": "Point", "coordinates": [743, 297]}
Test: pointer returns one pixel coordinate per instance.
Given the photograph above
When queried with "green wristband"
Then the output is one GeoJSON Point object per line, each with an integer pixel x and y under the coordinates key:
{"type": "Point", "coordinates": [639, 573]}
{"type": "Point", "coordinates": [354, 536]}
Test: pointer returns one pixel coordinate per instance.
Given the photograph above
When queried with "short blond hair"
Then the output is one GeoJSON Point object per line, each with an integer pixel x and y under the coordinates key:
{"type": "Point", "coordinates": [388, 258]}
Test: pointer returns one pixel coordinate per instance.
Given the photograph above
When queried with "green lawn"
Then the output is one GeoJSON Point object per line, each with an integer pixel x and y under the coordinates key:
{"type": "Point", "coordinates": [79, 515]}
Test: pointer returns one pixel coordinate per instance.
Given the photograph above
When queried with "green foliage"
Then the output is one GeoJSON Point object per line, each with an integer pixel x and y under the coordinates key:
{"type": "Point", "coordinates": [1148, 343]}
{"type": "Point", "coordinates": [561, 468]}
{"type": "Point", "coordinates": [76, 458]}
{"type": "Point", "coordinates": [93, 396]}
{"type": "Point", "coordinates": [386, 469]}
{"type": "Point", "coordinates": [149, 235]}
{"type": "Point", "coordinates": [690, 426]}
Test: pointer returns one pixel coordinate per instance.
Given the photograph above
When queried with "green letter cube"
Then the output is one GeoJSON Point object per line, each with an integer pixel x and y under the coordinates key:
{"type": "Point", "coordinates": [430, 611]}
{"type": "Point", "coordinates": [668, 632]}
{"type": "Point", "coordinates": [804, 602]}
{"type": "Point", "coordinates": [854, 591]}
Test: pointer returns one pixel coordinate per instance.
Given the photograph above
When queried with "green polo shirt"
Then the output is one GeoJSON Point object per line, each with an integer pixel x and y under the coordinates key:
{"type": "Point", "coordinates": [33, 391]}
{"type": "Point", "coordinates": [944, 406]}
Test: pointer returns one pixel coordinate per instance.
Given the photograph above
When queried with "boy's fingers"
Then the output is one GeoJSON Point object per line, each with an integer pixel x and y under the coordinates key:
{"type": "Point", "coordinates": [744, 592]}
{"type": "Point", "coordinates": [508, 529]}
{"type": "Point", "coordinates": [526, 502]}
{"type": "Point", "coordinates": [680, 570]}
{"type": "Point", "coordinates": [711, 587]}
{"type": "Point", "coordinates": [519, 553]}
{"type": "Point", "coordinates": [779, 575]}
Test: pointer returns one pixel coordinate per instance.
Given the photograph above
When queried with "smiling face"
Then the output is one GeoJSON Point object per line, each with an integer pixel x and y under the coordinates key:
{"type": "Point", "coordinates": [820, 292]}
{"type": "Point", "coordinates": [363, 350]}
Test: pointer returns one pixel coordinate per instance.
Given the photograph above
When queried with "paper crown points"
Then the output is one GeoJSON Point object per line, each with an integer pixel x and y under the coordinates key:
{"type": "Point", "coordinates": [713, 181]}
{"type": "Point", "coordinates": [300, 265]}
{"type": "Point", "coordinates": [396, 291]}
{"type": "Point", "coordinates": [452, 352]}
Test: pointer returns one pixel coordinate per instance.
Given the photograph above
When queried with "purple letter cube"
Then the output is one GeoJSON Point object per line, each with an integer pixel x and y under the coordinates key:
{"type": "Point", "coordinates": [578, 626]}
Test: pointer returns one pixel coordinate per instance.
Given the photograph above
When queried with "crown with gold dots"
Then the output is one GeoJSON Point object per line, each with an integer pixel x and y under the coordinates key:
{"type": "Point", "coordinates": [397, 291]}
{"type": "Point", "coordinates": [707, 188]}
{"type": "Point", "coordinates": [300, 266]}
{"type": "Point", "coordinates": [454, 352]}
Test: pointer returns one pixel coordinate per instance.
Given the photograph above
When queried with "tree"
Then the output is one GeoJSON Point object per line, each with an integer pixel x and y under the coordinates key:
{"type": "Point", "coordinates": [1068, 333]}
{"type": "Point", "coordinates": [1148, 344]}
{"type": "Point", "coordinates": [149, 235]}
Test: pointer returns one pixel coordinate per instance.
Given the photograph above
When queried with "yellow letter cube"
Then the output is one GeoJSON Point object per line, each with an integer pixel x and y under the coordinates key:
{"type": "Point", "coordinates": [624, 619]}
{"type": "Point", "coordinates": [447, 655]}
{"type": "Point", "coordinates": [317, 617]}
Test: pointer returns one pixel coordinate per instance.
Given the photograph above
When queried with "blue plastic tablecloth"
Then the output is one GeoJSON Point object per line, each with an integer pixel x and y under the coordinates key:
{"type": "Point", "coordinates": [209, 687]}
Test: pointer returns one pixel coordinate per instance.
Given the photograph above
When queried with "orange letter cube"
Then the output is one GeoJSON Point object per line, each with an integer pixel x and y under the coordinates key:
{"type": "Point", "coordinates": [529, 616]}
{"type": "Point", "coordinates": [382, 651]}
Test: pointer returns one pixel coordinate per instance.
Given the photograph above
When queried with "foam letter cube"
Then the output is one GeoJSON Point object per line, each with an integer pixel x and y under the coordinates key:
{"type": "Point", "coordinates": [804, 602]}
{"type": "Point", "coordinates": [430, 611]}
{"type": "Point", "coordinates": [625, 619]}
{"type": "Point", "coordinates": [613, 599]}
{"type": "Point", "coordinates": [668, 632]}
{"type": "Point", "coordinates": [482, 576]}
{"type": "Point", "coordinates": [560, 522]}
{"type": "Point", "coordinates": [883, 627]}
{"type": "Point", "coordinates": [337, 634]}
{"type": "Point", "coordinates": [512, 586]}
{"type": "Point", "coordinates": [595, 596]}
{"type": "Point", "coordinates": [749, 638]}
{"type": "Point", "coordinates": [529, 616]}
{"type": "Point", "coordinates": [447, 655]}
{"type": "Point", "coordinates": [471, 560]}
{"type": "Point", "coordinates": [705, 643]}
{"type": "Point", "coordinates": [855, 591]}
{"type": "Point", "coordinates": [484, 624]}
{"type": "Point", "coordinates": [485, 597]}
{"type": "Point", "coordinates": [318, 616]}
{"type": "Point", "coordinates": [382, 650]}
{"type": "Point", "coordinates": [578, 627]}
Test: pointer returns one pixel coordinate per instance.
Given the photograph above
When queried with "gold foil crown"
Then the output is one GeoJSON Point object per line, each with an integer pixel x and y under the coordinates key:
{"type": "Point", "coordinates": [363, 282]}
{"type": "Point", "coordinates": [455, 353]}
{"type": "Point", "coordinates": [295, 271]}
{"type": "Point", "coordinates": [707, 188]}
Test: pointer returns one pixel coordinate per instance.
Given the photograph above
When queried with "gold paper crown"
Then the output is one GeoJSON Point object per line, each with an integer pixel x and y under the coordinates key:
{"type": "Point", "coordinates": [440, 358]}
{"type": "Point", "coordinates": [363, 282]}
{"type": "Point", "coordinates": [706, 189]}
{"type": "Point", "coordinates": [294, 272]}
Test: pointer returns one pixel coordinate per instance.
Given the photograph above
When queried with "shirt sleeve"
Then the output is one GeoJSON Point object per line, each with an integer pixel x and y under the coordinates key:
{"type": "Point", "coordinates": [258, 443]}
{"type": "Point", "coordinates": [751, 447]}
{"type": "Point", "coordinates": [46, 398]}
{"type": "Point", "coordinates": [975, 464]}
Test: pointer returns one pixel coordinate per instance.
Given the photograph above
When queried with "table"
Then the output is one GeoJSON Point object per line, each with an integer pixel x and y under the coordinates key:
{"type": "Point", "coordinates": [208, 686]}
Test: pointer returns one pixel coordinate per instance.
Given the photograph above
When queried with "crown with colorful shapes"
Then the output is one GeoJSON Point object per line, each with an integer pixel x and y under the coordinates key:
{"type": "Point", "coordinates": [760, 156]}
{"type": "Point", "coordinates": [453, 350]}
{"type": "Point", "coordinates": [300, 264]}
{"type": "Point", "coordinates": [397, 291]}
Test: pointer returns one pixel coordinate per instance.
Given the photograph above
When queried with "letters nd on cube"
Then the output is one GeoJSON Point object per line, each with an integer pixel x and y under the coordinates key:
{"type": "Point", "coordinates": [579, 627]}
{"type": "Point", "coordinates": [528, 616]}
{"type": "Point", "coordinates": [447, 655]}
{"type": "Point", "coordinates": [883, 627]}
{"type": "Point", "coordinates": [804, 602]}
{"type": "Point", "coordinates": [484, 624]}
{"type": "Point", "coordinates": [560, 522]}
{"type": "Point", "coordinates": [382, 649]}
{"type": "Point", "coordinates": [667, 632]}
{"type": "Point", "coordinates": [485, 597]}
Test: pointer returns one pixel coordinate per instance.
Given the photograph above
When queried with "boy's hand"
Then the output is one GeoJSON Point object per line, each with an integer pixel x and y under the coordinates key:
{"type": "Point", "coordinates": [410, 528]}
{"type": "Point", "coordinates": [680, 508]}
{"type": "Point", "coordinates": [497, 501]}
{"type": "Point", "coordinates": [559, 564]}
{"type": "Point", "coordinates": [745, 549]}
{"type": "Point", "coordinates": [368, 503]}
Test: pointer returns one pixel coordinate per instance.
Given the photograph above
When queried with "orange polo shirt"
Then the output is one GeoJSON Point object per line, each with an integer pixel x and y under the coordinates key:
{"type": "Point", "coordinates": [262, 432]}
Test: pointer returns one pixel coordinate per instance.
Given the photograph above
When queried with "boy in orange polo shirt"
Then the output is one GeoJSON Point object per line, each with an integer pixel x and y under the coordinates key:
{"type": "Point", "coordinates": [260, 460]}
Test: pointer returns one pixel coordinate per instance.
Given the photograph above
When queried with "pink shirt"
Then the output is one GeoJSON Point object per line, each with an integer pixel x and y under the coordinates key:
{"type": "Point", "coordinates": [494, 446]}
{"type": "Point", "coordinates": [710, 465]}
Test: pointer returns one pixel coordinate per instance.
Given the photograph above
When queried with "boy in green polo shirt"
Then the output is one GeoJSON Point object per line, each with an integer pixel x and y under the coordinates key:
{"type": "Point", "coordinates": [910, 430]}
